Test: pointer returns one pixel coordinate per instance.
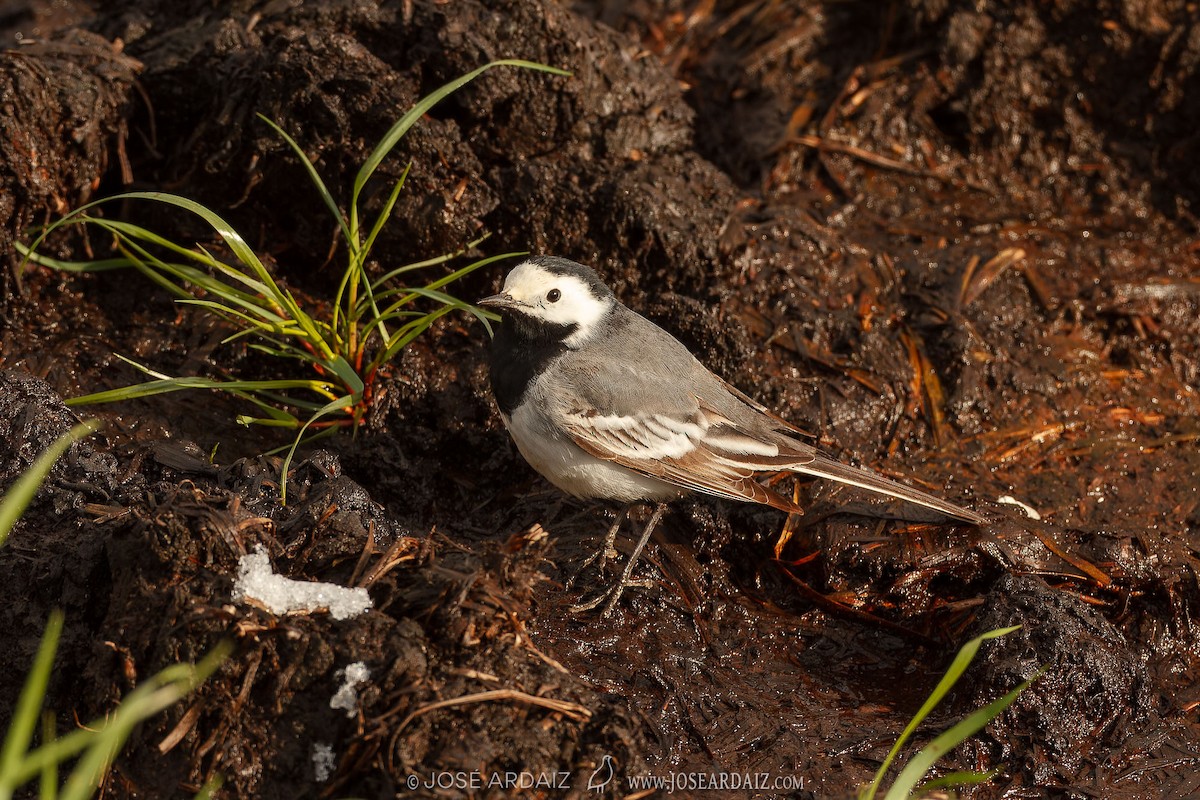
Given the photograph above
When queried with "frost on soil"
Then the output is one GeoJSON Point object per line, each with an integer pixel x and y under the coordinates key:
{"type": "Point", "coordinates": [323, 761]}
{"type": "Point", "coordinates": [346, 697]}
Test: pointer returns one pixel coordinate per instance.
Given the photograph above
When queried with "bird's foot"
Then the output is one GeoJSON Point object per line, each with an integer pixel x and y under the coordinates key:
{"type": "Point", "coordinates": [606, 552]}
{"type": "Point", "coordinates": [613, 595]}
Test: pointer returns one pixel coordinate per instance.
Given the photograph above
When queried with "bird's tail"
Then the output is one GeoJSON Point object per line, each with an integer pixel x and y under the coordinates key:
{"type": "Point", "coordinates": [824, 467]}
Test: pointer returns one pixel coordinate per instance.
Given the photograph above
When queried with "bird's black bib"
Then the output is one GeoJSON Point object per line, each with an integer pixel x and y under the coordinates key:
{"type": "Point", "coordinates": [520, 352]}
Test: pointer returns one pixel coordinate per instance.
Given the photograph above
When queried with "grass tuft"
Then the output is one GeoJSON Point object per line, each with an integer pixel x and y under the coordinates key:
{"type": "Point", "coordinates": [345, 345]}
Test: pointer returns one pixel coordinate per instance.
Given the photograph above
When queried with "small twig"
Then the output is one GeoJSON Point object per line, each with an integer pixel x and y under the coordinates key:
{"type": "Point", "coordinates": [405, 548]}
{"type": "Point", "coordinates": [926, 386]}
{"type": "Point", "coordinates": [834, 608]}
{"type": "Point", "coordinates": [181, 729]}
{"type": "Point", "coordinates": [974, 284]}
{"type": "Point", "coordinates": [834, 146]}
{"type": "Point", "coordinates": [367, 551]}
{"type": "Point", "coordinates": [1083, 565]}
{"type": "Point", "coordinates": [573, 710]}
{"type": "Point", "coordinates": [524, 640]}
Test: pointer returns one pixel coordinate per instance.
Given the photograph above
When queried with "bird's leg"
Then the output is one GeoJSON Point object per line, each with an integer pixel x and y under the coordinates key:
{"type": "Point", "coordinates": [617, 590]}
{"type": "Point", "coordinates": [614, 594]}
{"type": "Point", "coordinates": [607, 550]}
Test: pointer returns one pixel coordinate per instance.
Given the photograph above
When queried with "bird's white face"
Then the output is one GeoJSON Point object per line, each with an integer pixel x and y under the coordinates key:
{"type": "Point", "coordinates": [556, 299]}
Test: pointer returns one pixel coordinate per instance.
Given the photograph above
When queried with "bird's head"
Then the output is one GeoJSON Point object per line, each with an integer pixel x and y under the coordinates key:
{"type": "Point", "coordinates": [554, 298]}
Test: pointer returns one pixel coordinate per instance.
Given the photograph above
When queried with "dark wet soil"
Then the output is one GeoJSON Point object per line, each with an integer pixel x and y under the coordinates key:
{"type": "Point", "coordinates": [957, 241]}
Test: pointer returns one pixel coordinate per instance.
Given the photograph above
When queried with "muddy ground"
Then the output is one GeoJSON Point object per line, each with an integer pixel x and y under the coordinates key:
{"type": "Point", "coordinates": [957, 241]}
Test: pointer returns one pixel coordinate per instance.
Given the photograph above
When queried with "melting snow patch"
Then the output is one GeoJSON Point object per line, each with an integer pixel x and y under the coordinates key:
{"type": "Point", "coordinates": [346, 697]}
{"type": "Point", "coordinates": [280, 595]}
{"type": "Point", "coordinates": [322, 759]}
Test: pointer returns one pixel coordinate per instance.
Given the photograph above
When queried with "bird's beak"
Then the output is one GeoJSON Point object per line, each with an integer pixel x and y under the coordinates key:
{"type": "Point", "coordinates": [499, 301]}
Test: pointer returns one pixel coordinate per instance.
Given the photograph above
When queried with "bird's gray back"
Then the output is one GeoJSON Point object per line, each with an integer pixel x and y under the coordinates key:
{"type": "Point", "coordinates": [636, 368]}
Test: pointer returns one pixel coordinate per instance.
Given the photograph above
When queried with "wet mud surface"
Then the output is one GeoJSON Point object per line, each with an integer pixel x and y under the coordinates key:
{"type": "Point", "coordinates": [957, 242]}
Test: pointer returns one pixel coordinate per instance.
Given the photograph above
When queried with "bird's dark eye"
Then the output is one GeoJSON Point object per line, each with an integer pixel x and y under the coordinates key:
{"type": "Point", "coordinates": [553, 295]}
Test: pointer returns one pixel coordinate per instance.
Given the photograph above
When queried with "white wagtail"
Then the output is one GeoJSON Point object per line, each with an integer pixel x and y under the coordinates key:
{"type": "Point", "coordinates": [607, 405]}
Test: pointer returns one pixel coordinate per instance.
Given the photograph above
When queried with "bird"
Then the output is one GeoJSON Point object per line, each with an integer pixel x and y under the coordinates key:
{"type": "Point", "coordinates": [606, 405]}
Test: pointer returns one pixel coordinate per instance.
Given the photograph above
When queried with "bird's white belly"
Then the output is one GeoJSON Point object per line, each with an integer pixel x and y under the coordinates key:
{"type": "Point", "coordinates": [570, 468]}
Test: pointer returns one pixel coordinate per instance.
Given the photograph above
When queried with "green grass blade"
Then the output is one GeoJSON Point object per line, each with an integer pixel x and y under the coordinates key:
{"type": "Point", "coordinates": [244, 254]}
{"type": "Point", "coordinates": [411, 293]}
{"type": "Point", "coordinates": [315, 177]}
{"type": "Point", "coordinates": [253, 324]}
{"type": "Point", "coordinates": [350, 379]}
{"type": "Point", "coordinates": [274, 348]}
{"type": "Point", "coordinates": [80, 216]}
{"type": "Point", "coordinates": [386, 213]}
{"type": "Point", "coordinates": [405, 335]}
{"type": "Point", "coordinates": [324, 433]}
{"type": "Point", "coordinates": [209, 789]}
{"type": "Point", "coordinates": [344, 319]}
{"type": "Point", "coordinates": [162, 386]}
{"type": "Point", "coordinates": [955, 671]}
{"type": "Point", "coordinates": [923, 761]}
{"type": "Point", "coordinates": [430, 290]}
{"type": "Point", "coordinates": [99, 265]}
{"type": "Point", "coordinates": [231, 237]}
{"type": "Point", "coordinates": [129, 239]}
{"type": "Point", "coordinates": [29, 253]}
{"type": "Point", "coordinates": [275, 405]}
{"type": "Point", "coordinates": [486, 317]}
{"type": "Point", "coordinates": [265, 298]}
{"type": "Point", "coordinates": [21, 493]}
{"type": "Point", "coordinates": [139, 262]}
{"type": "Point", "coordinates": [393, 311]}
{"type": "Point", "coordinates": [132, 234]}
{"type": "Point", "coordinates": [29, 704]}
{"type": "Point", "coordinates": [48, 788]}
{"type": "Point", "coordinates": [233, 240]}
{"type": "Point", "coordinates": [397, 131]}
{"type": "Point", "coordinates": [162, 272]}
{"type": "Point", "coordinates": [143, 368]}
{"type": "Point", "coordinates": [953, 780]}
{"type": "Point", "coordinates": [368, 299]}
{"type": "Point", "coordinates": [271, 309]}
{"type": "Point", "coordinates": [341, 404]}
{"type": "Point", "coordinates": [268, 422]}
{"type": "Point", "coordinates": [469, 268]}
{"type": "Point", "coordinates": [282, 402]}
{"type": "Point", "coordinates": [421, 322]}
{"type": "Point", "coordinates": [430, 262]}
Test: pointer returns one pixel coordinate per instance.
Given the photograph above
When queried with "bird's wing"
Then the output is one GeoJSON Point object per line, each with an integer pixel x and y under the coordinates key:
{"type": "Point", "coordinates": [713, 457]}
{"type": "Point", "coordinates": [819, 465]}
{"type": "Point", "coordinates": [701, 451]}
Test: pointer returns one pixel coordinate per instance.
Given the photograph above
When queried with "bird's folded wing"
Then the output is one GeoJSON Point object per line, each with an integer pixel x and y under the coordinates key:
{"type": "Point", "coordinates": [703, 453]}
{"type": "Point", "coordinates": [780, 423]}
{"type": "Point", "coordinates": [706, 452]}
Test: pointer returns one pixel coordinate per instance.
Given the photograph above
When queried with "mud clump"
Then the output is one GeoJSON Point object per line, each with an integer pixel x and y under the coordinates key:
{"type": "Point", "coordinates": [1092, 697]}
{"type": "Point", "coordinates": [66, 104]}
